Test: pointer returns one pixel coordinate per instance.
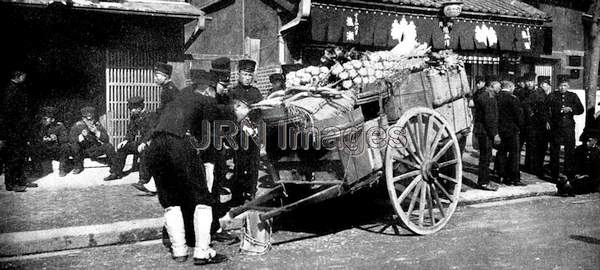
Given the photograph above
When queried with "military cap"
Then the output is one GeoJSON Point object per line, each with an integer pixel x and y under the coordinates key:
{"type": "Point", "coordinates": [479, 79]}
{"type": "Point", "coordinates": [529, 77]}
{"type": "Point", "coordinates": [276, 77]}
{"type": "Point", "coordinates": [135, 102]}
{"type": "Point", "coordinates": [48, 111]}
{"type": "Point", "coordinates": [563, 78]}
{"type": "Point", "coordinates": [88, 112]}
{"type": "Point", "coordinates": [163, 68]}
{"type": "Point", "coordinates": [221, 67]}
{"type": "Point", "coordinates": [201, 76]}
{"type": "Point", "coordinates": [247, 65]}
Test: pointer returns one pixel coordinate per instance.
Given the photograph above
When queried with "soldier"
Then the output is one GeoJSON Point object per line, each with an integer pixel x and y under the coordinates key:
{"type": "Point", "coordinates": [140, 123]}
{"type": "Point", "coordinates": [52, 142]}
{"type": "Point", "coordinates": [563, 105]}
{"type": "Point", "coordinates": [221, 68]}
{"type": "Point", "coordinates": [509, 108]}
{"type": "Point", "coordinates": [277, 82]}
{"type": "Point", "coordinates": [587, 164]}
{"type": "Point", "coordinates": [539, 125]}
{"type": "Point", "coordinates": [486, 130]}
{"type": "Point", "coordinates": [88, 138]}
{"type": "Point", "coordinates": [168, 90]}
{"type": "Point", "coordinates": [178, 171]}
{"type": "Point", "coordinates": [14, 127]}
{"type": "Point", "coordinates": [246, 160]}
{"type": "Point", "coordinates": [527, 128]}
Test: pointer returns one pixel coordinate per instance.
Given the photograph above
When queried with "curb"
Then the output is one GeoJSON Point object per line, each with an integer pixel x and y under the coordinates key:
{"type": "Point", "coordinates": [31, 242]}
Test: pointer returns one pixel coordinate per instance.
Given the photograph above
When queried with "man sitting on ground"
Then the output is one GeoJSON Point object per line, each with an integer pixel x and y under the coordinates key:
{"type": "Point", "coordinates": [51, 142]}
{"type": "Point", "coordinates": [587, 167]}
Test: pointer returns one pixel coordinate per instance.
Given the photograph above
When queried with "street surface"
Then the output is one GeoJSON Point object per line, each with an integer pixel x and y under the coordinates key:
{"type": "Point", "coordinates": [534, 233]}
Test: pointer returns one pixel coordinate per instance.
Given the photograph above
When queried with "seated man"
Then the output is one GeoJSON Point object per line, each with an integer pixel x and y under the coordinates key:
{"type": "Point", "coordinates": [140, 123]}
{"type": "Point", "coordinates": [51, 142]}
{"type": "Point", "coordinates": [88, 138]}
{"type": "Point", "coordinates": [587, 167]}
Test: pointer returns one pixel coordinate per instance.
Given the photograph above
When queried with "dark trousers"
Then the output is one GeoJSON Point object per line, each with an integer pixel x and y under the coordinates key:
{"type": "Point", "coordinates": [246, 172]}
{"type": "Point", "coordinates": [530, 139]}
{"type": "Point", "coordinates": [13, 155]}
{"type": "Point", "coordinates": [508, 157]}
{"type": "Point", "coordinates": [485, 153]}
{"type": "Point", "coordinates": [568, 140]}
{"type": "Point", "coordinates": [51, 151]}
{"type": "Point", "coordinates": [79, 152]}
{"type": "Point", "coordinates": [131, 148]}
{"type": "Point", "coordinates": [542, 139]}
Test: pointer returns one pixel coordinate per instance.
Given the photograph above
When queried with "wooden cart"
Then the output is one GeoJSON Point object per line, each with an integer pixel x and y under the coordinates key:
{"type": "Point", "coordinates": [417, 152]}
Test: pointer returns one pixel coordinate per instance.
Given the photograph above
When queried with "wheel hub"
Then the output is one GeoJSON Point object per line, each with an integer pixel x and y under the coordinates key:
{"type": "Point", "coordinates": [430, 171]}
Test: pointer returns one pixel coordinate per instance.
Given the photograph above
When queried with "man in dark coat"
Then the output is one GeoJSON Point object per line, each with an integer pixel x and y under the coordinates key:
{"type": "Point", "coordinates": [486, 130]}
{"type": "Point", "coordinates": [526, 130]}
{"type": "Point", "coordinates": [15, 126]}
{"type": "Point", "coordinates": [168, 90]}
{"type": "Point", "coordinates": [563, 105]}
{"type": "Point", "coordinates": [52, 142]}
{"type": "Point", "coordinates": [277, 82]}
{"type": "Point", "coordinates": [509, 122]}
{"type": "Point", "coordinates": [246, 161]}
{"type": "Point", "coordinates": [587, 167]}
{"type": "Point", "coordinates": [539, 127]}
{"type": "Point", "coordinates": [140, 124]}
{"type": "Point", "coordinates": [88, 138]}
{"type": "Point", "coordinates": [177, 168]}
{"type": "Point", "coordinates": [221, 68]}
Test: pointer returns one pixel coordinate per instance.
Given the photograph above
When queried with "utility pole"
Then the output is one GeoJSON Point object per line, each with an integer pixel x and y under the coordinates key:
{"type": "Point", "coordinates": [592, 55]}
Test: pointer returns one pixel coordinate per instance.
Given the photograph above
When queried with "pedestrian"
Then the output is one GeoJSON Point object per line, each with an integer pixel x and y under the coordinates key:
{"type": "Point", "coordinates": [563, 105]}
{"type": "Point", "coordinates": [486, 130]}
{"type": "Point", "coordinates": [277, 82]}
{"type": "Point", "coordinates": [15, 127]}
{"type": "Point", "coordinates": [221, 68]}
{"type": "Point", "coordinates": [539, 127]}
{"type": "Point", "coordinates": [88, 138]}
{"type": "Point", "coordinates": [168, 90]}
{"type": "Point", "coordinates": [51, 143]}
{"type": "Point", "coordinates": [509, 108]}
{"type": "Point", "coordinates": [527, 128]}
{"type": "Point", "coordinates": [178, 171]}
{"type": "Point", "coordinates": [137, 136]}
{"type": "Point", "coordinates": [246, 161]}
{"type": "Point", "coordinates": [587, 166]}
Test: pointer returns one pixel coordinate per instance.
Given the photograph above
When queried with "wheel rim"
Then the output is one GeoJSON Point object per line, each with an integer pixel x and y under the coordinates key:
{"type": "Point", "coordinates": [423, 170]}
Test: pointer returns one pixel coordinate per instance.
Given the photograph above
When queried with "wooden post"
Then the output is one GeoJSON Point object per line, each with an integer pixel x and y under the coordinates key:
{"type": "Point", "coordinates": [592, 55]}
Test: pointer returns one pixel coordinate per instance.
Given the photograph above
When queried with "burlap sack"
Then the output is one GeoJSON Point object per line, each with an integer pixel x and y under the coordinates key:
{"type": "Point", "coordinates": [256, 235]}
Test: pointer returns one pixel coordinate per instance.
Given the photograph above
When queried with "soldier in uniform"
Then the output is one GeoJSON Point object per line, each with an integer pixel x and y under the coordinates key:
{"type": "Point", "coordinates": [52, 142]}
{"type": "Point", "coordinates": [14, 127]}
{"type": "Point", "coordinates": [178, 171]}
{"type": "Point", "coordinates": [539, 125]}
{"type": "Point", "coordinates": [277, 82]}
{"type": "Point", "coordinates": [140, 123]}
{"type": "Point", "coordinates": [526, 129]}
{"type": "Point", "coordinates": [587, 171]}
{"type": "Point", "coordinates": [168, 90]}
{"type": "Point", "coordinates": [246, 160]}
{"type": "Point", "coordinates": [221, 68]}
{"type": "Point", "coordinates": [508, 154]}
{"type": "Point", "coordinates": [88, 138]}
{"type": "Point", "coordinates": [486, 130]}
{"type": "Point", "coordinates": [563, 105]}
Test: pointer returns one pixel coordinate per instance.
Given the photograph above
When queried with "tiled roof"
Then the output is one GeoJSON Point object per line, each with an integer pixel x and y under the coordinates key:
{"type": "Point", "coordinates": [511, 8]}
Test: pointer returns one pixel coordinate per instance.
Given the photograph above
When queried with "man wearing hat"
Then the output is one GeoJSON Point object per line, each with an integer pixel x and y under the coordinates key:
{"type": "Point", "coordinates": [88, 138]}
{"type": "Point", "coordinates": [563, 105]}
{"type": "Point", "coordinates": [526, 130]}
{"type": "Point", "coordinates": [168, 90]}
{"type": "Point", "coordinates": [277, 82]}
{"type": "Point", "coordinates": [587, 167]}
{"type": "Point", "coordinates": [140, 124]}
{"type": "Point", "coordinates": [246, 161]}
{"type": "Point", "coordinates": [221, 69]}
{"type": "Point", "coordinates": [15, 125]}
{"type": "Point", "coordinates": [52, 141]}
{"type": "Point", "coordinates": [485, 129]}
{"type": "Point", "coordinates": [539, 127]}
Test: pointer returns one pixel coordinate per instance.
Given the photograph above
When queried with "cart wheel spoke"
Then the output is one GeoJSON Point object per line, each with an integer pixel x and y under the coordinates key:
{"type": "Point", "coordinates": [422, 205]}
{"type": "Point", "coordinates": [399, 158]}
{"type": "Point", "coordinates": [430, 205]}
{"type": "Point", "coordinates": [407, 175]}
{"type": "Point", "coordinates": [413, 200]}
{"type": "Point", "coordinates": [448, 163]}
{"type": "Point", "coordinates": [437, 201]}
{"type": "Point", "coordinates": [444, 191]}
{"type": "Point", "coordinates": [412, 134]}
{"type": "Point", "coordinates": [426, 145]}
{"type": "Point", "coordinates": [443, 151]}
{"type": "Point", "coordinates": [445, 177]}
{"type": "Point", "coordinates": [421, 134]}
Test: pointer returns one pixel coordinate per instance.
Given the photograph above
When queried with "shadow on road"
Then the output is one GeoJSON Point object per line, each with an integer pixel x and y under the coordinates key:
{"type": "Point", "coordinates": [586, 239]}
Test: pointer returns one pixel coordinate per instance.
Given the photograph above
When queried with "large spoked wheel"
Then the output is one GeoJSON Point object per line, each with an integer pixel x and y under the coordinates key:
{"type": "Point", "coordinates": [423, 170]}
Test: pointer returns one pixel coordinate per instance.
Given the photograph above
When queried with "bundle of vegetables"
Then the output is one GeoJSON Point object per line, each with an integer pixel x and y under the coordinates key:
{"type": "Point", "coordinates": [445, 61]}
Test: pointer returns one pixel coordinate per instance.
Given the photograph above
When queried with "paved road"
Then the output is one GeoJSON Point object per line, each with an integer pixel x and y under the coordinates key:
{"type": "Point", "coordinates": [535, 233]}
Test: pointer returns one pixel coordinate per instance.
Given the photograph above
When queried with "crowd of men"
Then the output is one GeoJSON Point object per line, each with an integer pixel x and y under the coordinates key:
{"type": "Point", "coordinates": [508, 117]}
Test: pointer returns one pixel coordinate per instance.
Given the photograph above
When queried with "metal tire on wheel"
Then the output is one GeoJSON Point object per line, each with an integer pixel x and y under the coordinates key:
{"type": "Point", "coordinates": [423, 170]}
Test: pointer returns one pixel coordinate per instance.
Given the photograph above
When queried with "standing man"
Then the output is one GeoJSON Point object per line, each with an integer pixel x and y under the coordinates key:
{"type": "Point", "coordinates": [140, 124]}
{"type": "Point", "coordinates": [509, 108]}
{"type": "Point", "coordinates": [14, 127]}
{"type": "Point", "coordinates": [52, 142]}
{"type": "Point", "coordinates": [526, 129]}
{"type": "Point", "coordinates": [539, 125]}
{"type": "Point", "coordinates": [277, 82]}
{"type": "Point", "coordinates": [486, 130]}
{"type": "Point", "coordinates": [168, 90]}
{"type": "Point", "coordinates": [563, 105]}
{"type": "Point", "coordinates": [221, 68]}
{"type": "Point", "coordinates": [88, 138]}
{"type": "Point", "coordinates": [246, 160]}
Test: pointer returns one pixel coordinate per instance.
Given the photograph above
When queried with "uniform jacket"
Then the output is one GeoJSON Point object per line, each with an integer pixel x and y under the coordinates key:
{"type": "Point", "coordinates": [168, 93]}
{"type": "Point", "coordinates": [14, 113]}
{"type": "Point", "coordinates": [510, 114]}
{"type": "Point", "coordinates": [537, 109]}
{"type": "Point", "coordinates": [139, 126]}
{"type": "Point", "coordinates": [587, 161]}
{"type": "Point", "coordinates": [56, 128]}
{"type": "Point", "coordinates": [249, 94]}
{"type": "Point", "coordinates": [91, 138]}
{"type": "Point", "coordinates": [486, 116]}
{"type": "Point", "coordinates": [557, 101]}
